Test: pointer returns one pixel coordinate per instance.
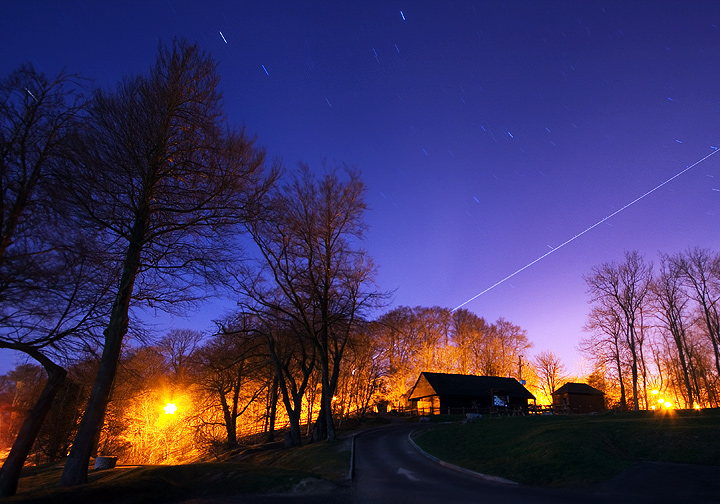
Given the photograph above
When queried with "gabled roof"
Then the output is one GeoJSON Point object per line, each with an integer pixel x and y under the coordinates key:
{"type": "Point", "coordinates": [469, 385]}
{"type": "Point", "coordinates": [578, 388]}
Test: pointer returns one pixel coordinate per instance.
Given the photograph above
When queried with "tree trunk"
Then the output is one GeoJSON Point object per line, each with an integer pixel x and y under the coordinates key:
{"type": "Point", "coordinates": [636, 403]}
{"type": "Point", "coordinates": [273, 410]}
{"type": "Point", "coordinates": [623, 402]}
{"type": "Point", "coordinates": [333, 381]}
{"type": "Point", "coordinates": [229, 420]}
{"type": "Point", "coordinates": [324, 420]}
{"type": "Point", "coordinates": [291, 395]}
{"type": "Point", "coordinates": [76, 465]}
{"type": "Point", "coordinates": [10, 472]}
{"type": "Point", "coordinates": [679, 338]}
{"type": "Point", "coordinates": [631, 340]}
{"type": "Point", "coordinates": [320, 427]}
{"type": "Point", "coordinates": [231, 415]}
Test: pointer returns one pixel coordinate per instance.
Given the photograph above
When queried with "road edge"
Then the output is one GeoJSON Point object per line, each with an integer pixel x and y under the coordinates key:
{"type": "Point", "coordinates": [487, 477]}
{"type": "Point", "coordinates": [352, 436]}
{"type": "Point", "coordinates": [352, 457]}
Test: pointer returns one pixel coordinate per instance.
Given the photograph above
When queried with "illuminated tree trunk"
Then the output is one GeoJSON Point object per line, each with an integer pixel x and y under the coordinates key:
{"type": "Point", "coordinates": [272, 413]}
{"type": "Point", "coordinates": [11, 468]}
{"type": "Point", "coordinates": [292, 387]}
{"type": "Point", "coordinates": [634, 370]}
{"type": "Point", "coordinates": [230, 423]}
{"type": "Point", "coordinates": [618, 365]}
{"type": "Point", "coordinates": [293, 405]}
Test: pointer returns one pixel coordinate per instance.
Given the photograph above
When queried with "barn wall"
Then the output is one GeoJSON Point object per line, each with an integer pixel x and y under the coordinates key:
{"type": "Point", "coordinates": [580, 403]}
{"type": "Point", "coordinates": [422, 389]}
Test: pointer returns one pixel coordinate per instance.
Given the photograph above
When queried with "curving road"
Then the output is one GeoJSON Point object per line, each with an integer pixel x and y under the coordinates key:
{"type": "Point", "coordinates": [388, 469]}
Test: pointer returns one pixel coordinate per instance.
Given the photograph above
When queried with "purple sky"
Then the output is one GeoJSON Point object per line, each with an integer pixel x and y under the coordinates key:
{"type": "Point", "coordinates": [488, 132]}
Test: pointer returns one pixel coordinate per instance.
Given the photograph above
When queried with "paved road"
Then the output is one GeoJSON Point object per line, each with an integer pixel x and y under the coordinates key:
{"type": "Point", "coordinates": [388, 469]}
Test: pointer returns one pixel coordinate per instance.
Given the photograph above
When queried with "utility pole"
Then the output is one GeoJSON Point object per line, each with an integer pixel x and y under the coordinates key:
{"type": "Point", "coordinates": [520, 366]}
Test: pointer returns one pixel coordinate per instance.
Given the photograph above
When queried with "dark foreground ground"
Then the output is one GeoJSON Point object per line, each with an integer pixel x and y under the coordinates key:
{"type": "Point", "coordinates": [389, 469]}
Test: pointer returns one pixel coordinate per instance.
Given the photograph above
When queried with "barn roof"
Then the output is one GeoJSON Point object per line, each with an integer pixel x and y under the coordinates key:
{"type": "Point", "coordinates": [578, 388]}
{"type": "Point", "coordinates": [444, 384]}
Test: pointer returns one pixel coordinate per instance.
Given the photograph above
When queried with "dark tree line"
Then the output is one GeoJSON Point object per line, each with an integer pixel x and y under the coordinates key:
{"type": "Point", "coordinates": [658, 330]}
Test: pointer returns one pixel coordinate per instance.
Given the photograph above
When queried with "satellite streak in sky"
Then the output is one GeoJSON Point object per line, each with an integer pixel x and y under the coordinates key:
{"type": "Point", "coordinates": [578, 235]}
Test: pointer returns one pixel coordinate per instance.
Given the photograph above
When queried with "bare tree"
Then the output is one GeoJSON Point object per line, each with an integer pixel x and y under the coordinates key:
{"type": "Point", "coordinates": [509, 342]}
{"type": "Point", "coordinates": [469, 334]}
{"type": "Point", "coordinates": [50, 286]}
{"type": "Point", "coordinates": [550, 370]}
{"type": "Point", "coordinates": [360, 379]}
{"type": "Point", "coordinates": [231, 365]}
{"type": "Point", "coordinates": [178, 347]}
{"type": "Point", "coordinates": [623, 288]}
{"type": "Point", "coordinates": [292, 353]}
{"type": "Point", "coordinates": [671, 308]}
{"type": "Point", "coordinates": [164, 181]}
{"type": "Point", "coordinates": [312, 270]}
{"type": "Point", "coordinates": [395, 338]}
{"type": "Point", "coordinates": [606, 344]}
{"type": "Point", "coordinates": [700, 271]}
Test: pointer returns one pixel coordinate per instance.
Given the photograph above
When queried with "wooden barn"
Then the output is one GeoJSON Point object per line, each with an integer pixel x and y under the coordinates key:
{"type": "Point", "coordinates": [579, 398]}
{"type": "Point", "coordinates": [436, 393]}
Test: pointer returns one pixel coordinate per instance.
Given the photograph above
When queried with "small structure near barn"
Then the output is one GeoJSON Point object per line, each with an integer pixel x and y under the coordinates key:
{"type": "Point", "coordinates": [436, 393]}
{"type": "Point", "coordinates": [579, 398]}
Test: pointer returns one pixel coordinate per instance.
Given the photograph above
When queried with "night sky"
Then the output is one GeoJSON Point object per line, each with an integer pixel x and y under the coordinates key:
{"type": "Point", "coordinates": [489, 133]}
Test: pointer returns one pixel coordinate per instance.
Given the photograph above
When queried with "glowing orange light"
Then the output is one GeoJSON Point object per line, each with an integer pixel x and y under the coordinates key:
{"type": "Point", "coordinates": [655, 392]}
{"type": "Point", "coordinates": [668, 404]}
{"type": "Point", "coordinates": [170, 409]}
{"type": "Point", "coordinates": [696, 406]}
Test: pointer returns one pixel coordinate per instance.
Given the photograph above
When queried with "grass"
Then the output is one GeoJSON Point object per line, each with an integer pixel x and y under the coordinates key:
{"type": "Point", "coordinates": [539, 450]}
{"type": "Point", "coordinates": [575, 450]}
{"type": "Point", "coordinates": [264, 472]}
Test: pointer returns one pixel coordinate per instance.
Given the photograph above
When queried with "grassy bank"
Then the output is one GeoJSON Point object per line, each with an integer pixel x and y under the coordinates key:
{"type": "Point", "coordinates": [573, 450]}
{"type": "Point", "coordinates": [262, 472]}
